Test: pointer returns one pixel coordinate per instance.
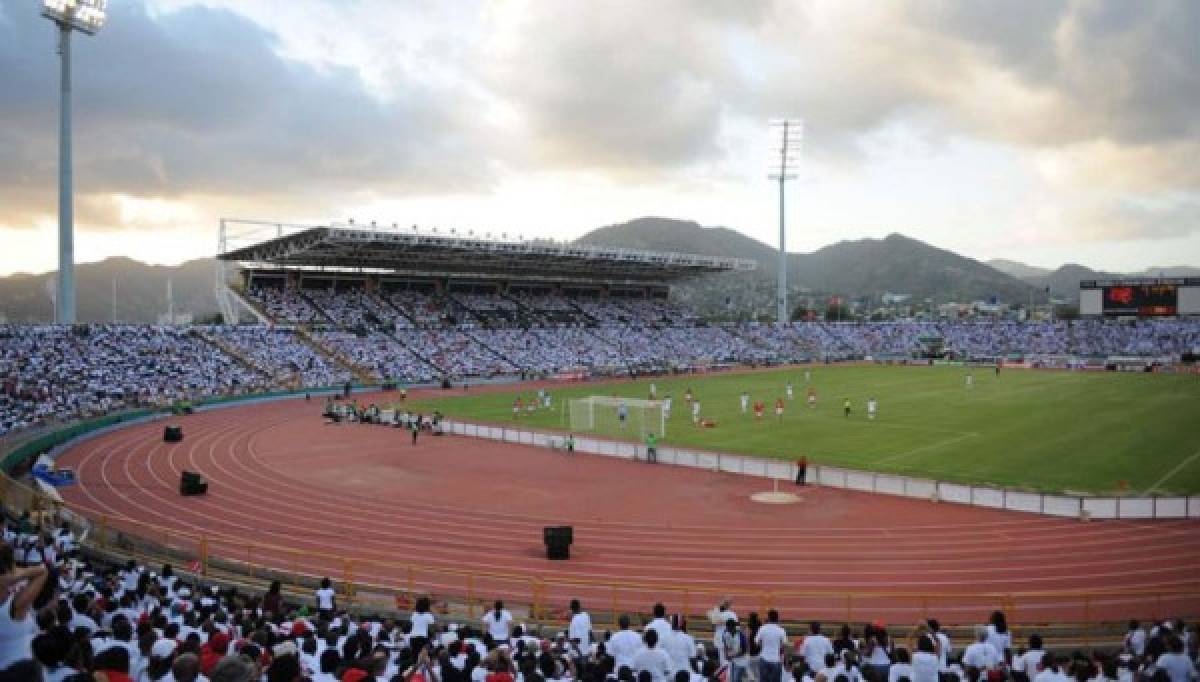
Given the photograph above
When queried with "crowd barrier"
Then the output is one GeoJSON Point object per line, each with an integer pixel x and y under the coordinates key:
{"type": "Point", "coordinates": [1051, 504]}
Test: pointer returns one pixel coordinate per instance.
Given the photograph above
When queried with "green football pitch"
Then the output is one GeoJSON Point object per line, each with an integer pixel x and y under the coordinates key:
{"type": "Point", "coordinates": [1045, 430]}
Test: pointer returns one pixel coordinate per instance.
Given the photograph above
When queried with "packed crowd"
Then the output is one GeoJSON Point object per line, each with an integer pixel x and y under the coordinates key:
{"type": "Point", "coordinates": [51, 372]}
{"type": "Point", "coordinates": [281, 353]}
{"type": "Point", "coordinates": [63, 619]}
{"type": "Point", "coordinates": [1168, 337]}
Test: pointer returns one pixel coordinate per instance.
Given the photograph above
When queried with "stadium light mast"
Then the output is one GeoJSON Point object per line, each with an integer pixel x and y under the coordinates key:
{"type": "Point", "coordinates": [791, 134]}
{"type": "Point", "coordinates": [86, 16]}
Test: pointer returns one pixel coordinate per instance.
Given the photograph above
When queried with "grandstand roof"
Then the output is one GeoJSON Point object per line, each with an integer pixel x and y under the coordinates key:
{"type": "Point", "coordinates": [433, 254]}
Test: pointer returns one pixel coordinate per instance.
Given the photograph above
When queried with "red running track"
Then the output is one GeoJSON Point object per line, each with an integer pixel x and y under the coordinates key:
{"type": "Point", "coordinates": [280, 477]}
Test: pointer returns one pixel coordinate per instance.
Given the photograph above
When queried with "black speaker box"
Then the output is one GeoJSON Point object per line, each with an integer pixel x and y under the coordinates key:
{"type": "Point", "coordinates": [558, 541]}
{"type": "Point", "coordinates": [191, 483]}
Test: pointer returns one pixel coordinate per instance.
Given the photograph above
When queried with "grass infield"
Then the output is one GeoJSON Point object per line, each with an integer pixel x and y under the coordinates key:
{"type": "Point", "coordinates": [1097, 432]}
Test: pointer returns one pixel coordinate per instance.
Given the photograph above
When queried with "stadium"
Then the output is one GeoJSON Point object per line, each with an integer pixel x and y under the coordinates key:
{"type": "Point", "coordinates": [427, 454]}
{"type": "Point", "coordinates": [504, 350]}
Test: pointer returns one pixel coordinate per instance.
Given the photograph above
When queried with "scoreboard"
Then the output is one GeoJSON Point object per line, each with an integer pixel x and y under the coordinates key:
{"type": "Point", "coordinates": [1140, 297]}
{"type": "Point", "coordinates": [1146, 300]}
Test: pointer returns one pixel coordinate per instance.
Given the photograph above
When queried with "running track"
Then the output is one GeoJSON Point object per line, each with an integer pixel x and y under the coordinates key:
{"type": "Point", "coordinates": [280, 477]}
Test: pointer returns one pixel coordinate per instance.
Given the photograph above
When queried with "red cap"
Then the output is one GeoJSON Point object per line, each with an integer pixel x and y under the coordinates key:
{"type": "Point", "coordinates": [299, 628]}
{"type": "Point", "coordinates": [354, 675]}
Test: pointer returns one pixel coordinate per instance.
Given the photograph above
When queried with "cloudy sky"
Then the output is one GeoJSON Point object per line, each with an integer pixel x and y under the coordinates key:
{"type": "Point", "coordinates": [1035, 130]}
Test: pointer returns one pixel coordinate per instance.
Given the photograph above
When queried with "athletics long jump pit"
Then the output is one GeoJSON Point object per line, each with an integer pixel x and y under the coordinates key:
{"type": "Point", "coordinates": [461, 519]}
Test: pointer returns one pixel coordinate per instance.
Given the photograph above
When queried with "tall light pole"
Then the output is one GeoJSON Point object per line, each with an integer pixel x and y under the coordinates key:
{"type": "Point", "coordinates": [86, 16]}
{"type": "Point", "coordinates": [791, 133]}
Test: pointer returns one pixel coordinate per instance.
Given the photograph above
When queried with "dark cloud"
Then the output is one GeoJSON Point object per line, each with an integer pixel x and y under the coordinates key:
{"type": "Point", "coordinates": [1124, 71]}
{"type": "Point", "coordinates": [198, 101]}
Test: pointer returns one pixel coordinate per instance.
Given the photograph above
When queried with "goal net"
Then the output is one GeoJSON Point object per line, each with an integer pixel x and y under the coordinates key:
{"type": "Point", "coordinates": [603, 415]}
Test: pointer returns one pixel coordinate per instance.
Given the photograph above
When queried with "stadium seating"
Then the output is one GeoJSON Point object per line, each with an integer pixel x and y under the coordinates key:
{"type": "Point", "coordinates": [49, 372]}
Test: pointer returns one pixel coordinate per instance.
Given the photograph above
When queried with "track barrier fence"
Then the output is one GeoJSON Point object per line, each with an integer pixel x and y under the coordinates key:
{"type": "Point", "coordinates": [1052, 504]}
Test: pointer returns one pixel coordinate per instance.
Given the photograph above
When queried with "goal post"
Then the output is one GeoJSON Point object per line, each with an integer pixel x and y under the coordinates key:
{"type": "Point", "coordinates": [602, 415]}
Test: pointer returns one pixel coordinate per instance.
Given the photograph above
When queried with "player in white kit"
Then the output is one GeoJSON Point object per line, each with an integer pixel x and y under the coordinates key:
{"type": "Point", "coordinates": [791, 394]}
{"type": "Point", "coordinates": [666, 407]}
{"type": "Point", "coordinates": [871, 407]}
{"type": "Point", "coordinates": [745, 402]}
{"type": "Point", "coordinates": [695, 411]}
{"type": "Point", "coordinates": [970, 380]}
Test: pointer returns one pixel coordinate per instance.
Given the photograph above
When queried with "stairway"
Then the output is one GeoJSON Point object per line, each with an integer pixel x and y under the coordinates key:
{"type": "Point", "coordinates": [245, 360]}
{"type": "Point", "coordinates": [313, 304]}
{"type": "Point", "coordinates": [361, 374]}
{"type": "Point", "coordinates": [424, 360]}
{"type": "Point", "coordinates": [491, 350]}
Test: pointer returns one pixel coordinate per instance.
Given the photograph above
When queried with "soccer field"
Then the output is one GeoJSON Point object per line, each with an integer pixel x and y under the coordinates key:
{"type": "Point", "coordinates": [1044, 430]}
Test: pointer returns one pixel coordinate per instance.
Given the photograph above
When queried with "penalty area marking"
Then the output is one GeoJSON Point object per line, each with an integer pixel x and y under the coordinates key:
{"type": "Point", "coordinates": [1170, 474]}
{"type": "Point", "coordinates": [928, 446]}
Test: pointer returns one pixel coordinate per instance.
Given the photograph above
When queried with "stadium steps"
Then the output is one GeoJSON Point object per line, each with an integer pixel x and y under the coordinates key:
{"type": "Point", "coordinates": [254, 306]}
{"type": "Point", "coordinates": [462, 310]}
{"type": "Point", "coordinates": [526, 314]}
{"type": "Point", "coordinates": [246, 361]}
{"type": "Point", "coordinates": [491, 350]}
{"type": "Point", "coordinates": [361, 374]}
{"type": "Point", "coordinates": [313, 304]}
{"type": "Point", "coordinates": [412, 351]}
{"type": "Point", "coordinates": [387, 301]}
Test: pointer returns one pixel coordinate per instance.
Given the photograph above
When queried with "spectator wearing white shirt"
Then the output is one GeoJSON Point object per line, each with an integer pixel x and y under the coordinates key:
{"type": "Point", "coordinates": [1135, 639]}
{"type": "Point", "coordinates": [875, 658]}
{"type": "Point", "coordinates": [623, 644]}
{"type": "Point", "coordinates": [901, 667]}
{"type": "Point", "coordinates": [579, 631]}
{"type": "Point", "coordinates": [1175, 662]}
{"type": "Point", "coordinates": [681, 646]}
{"type": "Point", "coordinates": [719, 616]}
{"type": "Point", "coordinates": [652, 658]}
{"type": "Point", "coordinates": [981, 654]}
{"type": "Point", "coordinates": [771, 640]}
{"type": "Point", "coordinates": [998, 635]}
{"type": "Point", "coordinates": [735, 651]}
{"type": "Point", "coordinates": [498, 623]}
{"type": "Point", "coordinates": [1051, 669]}
{"type": "Point", "coordinates": [925, 663]}
{"type": "Point", "coordinates": [17, 625]}
{"type": "Point", "coordinates": [421, 621]}
{"type": "Point", "coordinates": [1027, 665]}
{"type": "Point", "coordinates": [941, 644]}
{"type": "Point", "coordinates": [660, 624]}
{"type": "Point", "coordinates": [815, 647]}
{"type": "Point", "coordinates": [326, 599]}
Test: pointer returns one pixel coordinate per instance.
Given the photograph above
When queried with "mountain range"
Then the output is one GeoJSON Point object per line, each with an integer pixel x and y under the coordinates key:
{"type": "Point", "coordinates": [863, 268]}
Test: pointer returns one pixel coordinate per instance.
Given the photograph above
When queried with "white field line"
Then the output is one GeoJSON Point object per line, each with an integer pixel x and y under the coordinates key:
{"type": "Point", "coordinates": [1178, 467]}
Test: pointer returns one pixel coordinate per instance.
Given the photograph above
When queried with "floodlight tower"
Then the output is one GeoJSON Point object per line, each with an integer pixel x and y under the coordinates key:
{"type": "Point", "coordinates": [791, 133]}
{"type": "Point", "coordinates": [86, 16]}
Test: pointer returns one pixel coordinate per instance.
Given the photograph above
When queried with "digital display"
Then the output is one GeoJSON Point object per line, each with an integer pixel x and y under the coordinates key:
{"type": "Point", "coordinates": [1147, 300]}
